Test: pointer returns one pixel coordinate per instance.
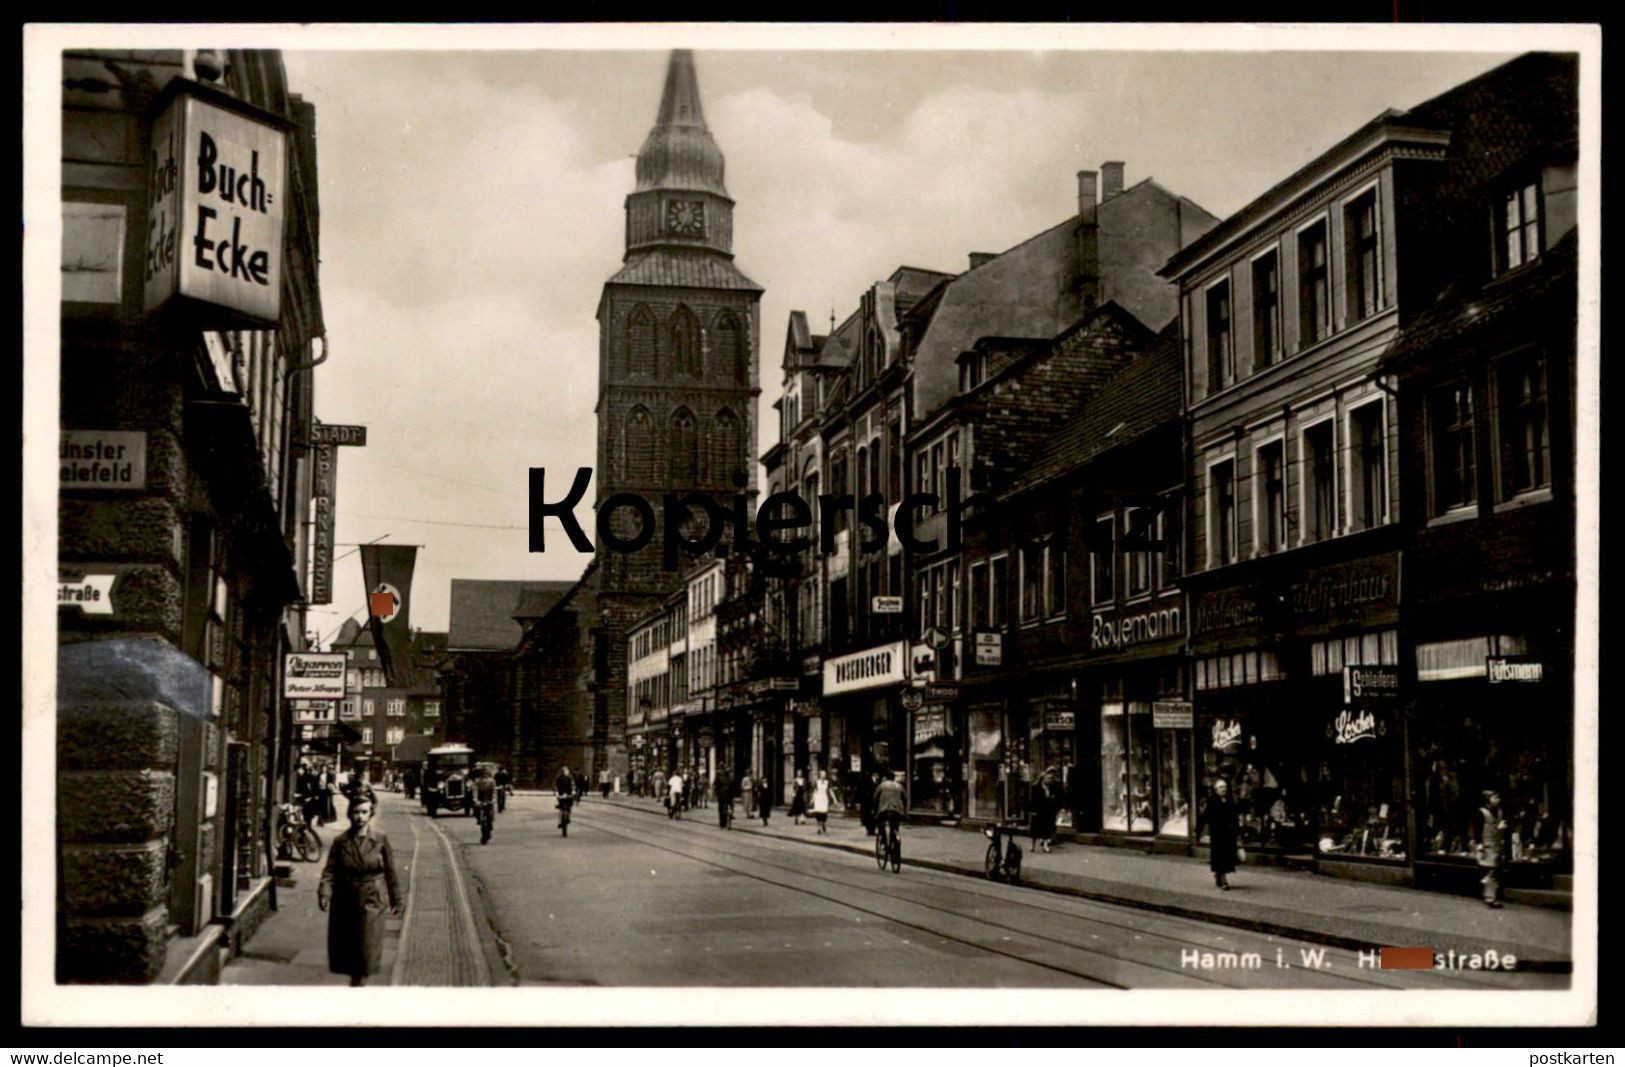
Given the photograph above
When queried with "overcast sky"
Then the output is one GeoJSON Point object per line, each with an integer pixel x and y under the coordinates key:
{"type": "Point", "coordinates": [471, 209]}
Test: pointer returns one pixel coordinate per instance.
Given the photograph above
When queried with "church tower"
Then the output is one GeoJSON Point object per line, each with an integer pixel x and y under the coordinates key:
{"type": "Point", "coordinates": [678, 336]}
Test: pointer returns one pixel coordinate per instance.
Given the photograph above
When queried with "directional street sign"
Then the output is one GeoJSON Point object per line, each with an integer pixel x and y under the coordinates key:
{"type": "Point", "coordinates": [935, 637]}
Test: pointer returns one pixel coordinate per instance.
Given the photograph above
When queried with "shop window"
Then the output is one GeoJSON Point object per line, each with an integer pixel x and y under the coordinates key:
{"type": "Point", "coordinates": [1360, 241]}
{"type": "Point", "coordinates": [1221, 357]}
{"type": "Point", "coordinates": [1173, 786]}
{"type": "Point", "coordinates": [1102, 561]}
{"type": "Point", "coordinates": [1517, 225]}
{"type": "Point", "coordinates": [1451, 438]}
{"type": "Point", "coordinates": [1272, 497]}
{"type": "Point", "coordinates": [1522, 424]}
{"type": "Point", "coordinates": [935, 761]}
{"type": "Point", "coordinates": [1369, 460]}
{"type": "Point", "coordinates": [1314, 318]}
{"type": "Point", "coordinates": [987, 760]}
{"type": "Point", "coordinates": [1319, 482]}
{"type": "Point", "coordinates": [1266, 309]}
{"type": "Point", "coordinates": [998, 581]}
{"type": "Point", "coordinates": [1222, 513]}
{"type": "Point", "coordinates": [1125, 766]}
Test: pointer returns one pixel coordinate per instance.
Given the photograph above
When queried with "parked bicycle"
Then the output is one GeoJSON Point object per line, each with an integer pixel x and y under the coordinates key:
{"type": "Point", "coordinates": [1003, 860]}
{"type": "Point", "coordinates": [294, 835]}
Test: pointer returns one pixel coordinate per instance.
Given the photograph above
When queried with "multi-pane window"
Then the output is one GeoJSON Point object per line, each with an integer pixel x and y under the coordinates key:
{"type": "Point", "coordinates": [1055, 577]}
{"type": "Point", "coordinates": [1032, 581]}
{"type": "Point", "coordinates": [1222, 501]}
{"type": "Point", "coordinates": [1370, 462]}
{"type": "Point", "coordinates": [1138, 528]}
{"type": "Point", "coordinates": [366, 735]}
{"type": "Point", "coordinates": [1170, 528]}
{"type": "Point", "coordinates": [1360, 235]}
{"type": "Point", "coordinates": [369, 708]}
{"type": "Point", "coordinates": [1266, 309]}
{"type": "Point", "coordinates": [1320, 482]}
{"type": "Point", "coordinates": [1517, 217]}
{"type": "Point", "coordinates": [395, 707]}
{"type": "Point", "coordinates": [1272, 497]}
{"type": "Point", "coordinates": [1221, 359]}
{"type": "Point", "coordinates": [998, 580]}
{"type": "Point", "coordinates": [1102, 561]}
{"type": "Point", "coordinates": [1520, 398]}
{"type": "Point", "coordinates": [431, 709]}
{"type": "Point", "coordinates": [1450, 418]}
{"type": "Point", "coordinates": [395, 735]}
{"type": "Point", "coordinates": [1314, 319]}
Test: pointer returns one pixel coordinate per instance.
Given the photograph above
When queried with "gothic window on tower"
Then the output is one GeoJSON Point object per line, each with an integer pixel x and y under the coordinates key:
{"type": "Point", "coordinates": [638, 457]}
{"type": "Point", "coordinates": [640, 342]}
{"type": "Point", "coordinates": [725, 448]}
{"type": "Point", "coordinates": [732, 352]}
{"type": "Point", "coordinates": [685, 449]}
{"type": "Point", "coordinates": [685, 343]}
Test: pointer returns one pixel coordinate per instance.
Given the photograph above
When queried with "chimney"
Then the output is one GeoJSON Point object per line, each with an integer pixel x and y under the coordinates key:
{"type": "Point", "coordinates": [1086, 196]}
{"type": "Point", "coordinates": [1111, 180]}
{"type": "Point", "coordinates": [978, 258]}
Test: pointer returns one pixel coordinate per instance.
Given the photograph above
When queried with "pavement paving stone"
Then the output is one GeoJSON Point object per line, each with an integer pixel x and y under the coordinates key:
{"type": "Point", "coordinates": [1347, 914]}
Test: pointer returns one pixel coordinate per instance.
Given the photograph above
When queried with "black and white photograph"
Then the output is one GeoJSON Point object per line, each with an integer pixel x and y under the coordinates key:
{"type": "Point", "coordinates": [759, 525]}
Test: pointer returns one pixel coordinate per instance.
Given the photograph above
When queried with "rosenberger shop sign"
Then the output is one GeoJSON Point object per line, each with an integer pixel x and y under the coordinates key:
{"type": "Point", "coordinates": [884, 665]}
{"type": "Point", "coordinates": [217, 184]}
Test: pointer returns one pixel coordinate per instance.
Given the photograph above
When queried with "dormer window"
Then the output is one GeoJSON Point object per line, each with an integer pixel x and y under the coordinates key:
{"type": "Point", "coordinates": [1517, 226]}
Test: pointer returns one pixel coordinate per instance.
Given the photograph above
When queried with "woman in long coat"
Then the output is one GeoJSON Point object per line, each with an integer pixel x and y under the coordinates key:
{"type": "Point", "coordinates": [798, 798]}
{"type": "Point", "coordinates": [1222, 828]}
{"type": "Point", "coordinates": [1045, 803]}
{"type": "Point", "coordinates": [360, 871]}
{"type": "Point", "coordinates": [764, 799]}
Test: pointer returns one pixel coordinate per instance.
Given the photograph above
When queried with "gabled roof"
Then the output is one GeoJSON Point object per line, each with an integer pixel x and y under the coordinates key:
{"type": "Point", "coordinates": [482, 611]}
{"type": "Point", "coordinates": [1140, 397]}
{"type": "Point", "coordinates": [690, 270]}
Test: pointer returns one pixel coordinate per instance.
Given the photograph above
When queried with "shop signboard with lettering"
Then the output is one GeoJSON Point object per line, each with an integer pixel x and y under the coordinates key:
{"type": "Point", "coordinates": [1172, 715]}
{"type": "Point", "coordinates": [90, 589]}
{"type": "Point", "coordinates": [930, 723]}
{"type": "Point", "coordinates": [989, 648]}
{"type": "Point", "coordinates": [1502, 669]}
{"type": "Point", "coordinates": [1367, 684]}
{"type": "Point", "coordinates": [313, 675]}
{"type": "Point", "coordinates": [328, 433]}
{"type": "Point", "coordinates": [217, 189]}
{"type": "Point", "coordinates": [1160, 621]}
{"type": "Point", "coordinates": [102, 459]}
{"type": "Point", "coordinates": [886, 605]}
{"type": "Point", "coordinates": [1360, 593]}
{"type": "Point", "coordinates": [1353, 725]}
{"type": "Point", "coordinates": [873, 667]}
{"type": "Point", "coordinates": [324, 460]}
{"type": "Point", "coordinates": [1059, 720]}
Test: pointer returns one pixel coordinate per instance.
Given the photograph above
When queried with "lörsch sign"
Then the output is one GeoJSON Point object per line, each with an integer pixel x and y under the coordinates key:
{"type": "Point", "coordinates": [216, 187]}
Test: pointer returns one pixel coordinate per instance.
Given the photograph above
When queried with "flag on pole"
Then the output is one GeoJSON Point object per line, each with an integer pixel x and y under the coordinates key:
{"type": "Point", "coordinates": [387, 570]}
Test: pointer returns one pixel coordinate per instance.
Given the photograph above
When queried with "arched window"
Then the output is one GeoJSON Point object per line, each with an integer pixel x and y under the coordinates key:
{"type": "Point", "coordinates": [638, 449]}
{"type": "Point", "coordinates": [725, 458]}
{"type": "Point", "coordinates": [684, 469]}
{"type": "Point", "coordinates": [733, 350]}
{"type": "Point", "coordinates": [685, 342]}
{"type": "Point", "coordinates": [641, 355]}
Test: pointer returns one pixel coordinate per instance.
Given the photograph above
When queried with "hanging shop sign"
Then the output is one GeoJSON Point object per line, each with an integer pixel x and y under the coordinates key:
{"type": "Point", "coordinates": [313, 675]}
{"type": "Point", "coordinates": [886, 605]}
{"type": "Point", "coordinates": [922, 663]}
{"type": "Point", "coordinates": [812, 665]}
{"type": "Point", "coordinates": [217, 190]}
{"type": "Point", "coordinates": [1361, 684]}
{"type": "Point", "coordinates": [1057, 720]}
{"type": "Point", "coordinates": [327, 433]}
{"type": "Point", "coordinates": [102, 459]}
{"type": "Point", "coordinates": [881, 665]}
{"type": "Point", "coordinates": [911, 699]}
{"type": "Point", "coordinates": [989, 648]}
{"type": "Point", "coordinates": [808, 708]}
{"type": "Point", "coordinates": [930, 724]}
{"type": "Point", "coordinates": [936, 637]}
{"type": "Point", "coordinates": [1172, 715]}
{"type": "Point", "coordinates": [1499, 669]}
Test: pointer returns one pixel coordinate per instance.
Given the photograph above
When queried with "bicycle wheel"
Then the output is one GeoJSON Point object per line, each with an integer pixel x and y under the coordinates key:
{"type": "Point", "coordinates": [880, 848]}
{"type": "Point", "coordinates": [310, 846]}
{"type": "Point", "coordinates": [990, 862]}
{"type": "Point", "coordinates": [896, 853]}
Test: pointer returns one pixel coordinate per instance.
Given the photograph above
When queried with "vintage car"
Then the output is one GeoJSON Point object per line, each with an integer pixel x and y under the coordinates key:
{"type": "Point", "coordinates": [446, 770]}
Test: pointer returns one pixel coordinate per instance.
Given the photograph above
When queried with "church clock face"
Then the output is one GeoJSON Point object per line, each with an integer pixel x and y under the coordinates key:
{"type": "Point", "coordinates": [685, 218]}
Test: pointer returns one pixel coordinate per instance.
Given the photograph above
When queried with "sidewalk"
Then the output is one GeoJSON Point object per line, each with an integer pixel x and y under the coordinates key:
{"type": "Point", "coordinates": [290, 947]}
{"type": "Point", "coordinates": [1297, 904]}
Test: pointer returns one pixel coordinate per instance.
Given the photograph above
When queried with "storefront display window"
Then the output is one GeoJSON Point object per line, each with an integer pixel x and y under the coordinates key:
{"type": "Point", "coordinates": [1054, 749]}
{"type": "Point", "coordinates": [1362, 788]}
{"type": "Point", "coordinates": [1174, 766]}
{"type": "Point", "coordinates": [934, 784]}
{"type": "Point", "coordinates": [986, 756]}
{"type": "Point", "coordinates": [1125, 766]}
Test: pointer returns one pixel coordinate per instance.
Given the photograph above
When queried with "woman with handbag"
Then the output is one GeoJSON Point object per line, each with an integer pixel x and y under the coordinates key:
{"type": "Point", "coordinates": [1222, 828]}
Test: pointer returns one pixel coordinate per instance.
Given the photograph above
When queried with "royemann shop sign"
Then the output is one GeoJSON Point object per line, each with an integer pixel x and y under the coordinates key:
{"type": "Point", "coordinates": [216, 189]}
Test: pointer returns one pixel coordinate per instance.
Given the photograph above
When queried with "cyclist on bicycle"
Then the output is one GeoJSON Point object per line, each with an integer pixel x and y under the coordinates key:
{"type": "Point", "coordinates": [890, 803]}
{"type": "Point", "coordinates": [484, 799]}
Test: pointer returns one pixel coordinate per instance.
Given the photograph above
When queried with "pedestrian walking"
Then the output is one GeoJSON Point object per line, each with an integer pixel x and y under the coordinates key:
{"type": "Point", "coordinates": [1046, 801]}
{"type": "Point", "coordinates": [674, 802]}
{"type": "Point", "coordinates": [703, 790]}
{"type": "Point", "coordinates": [351, 895]}
{"type": "Point", "coordinates": [1222, 828]}
{"type": "Point", "coordinates": [603, 782]}
{"type": "Point", "coordinates": [798, 798]}
{"type": "Point", "coordinates": [747, 794]}
{"type": "Point", "coordinates": [504, 782]}
{"type": "Point", "coordinates": [564, 795]}
{"type": "Point", "coordinates": [1492, 827]}
{"type": "Point", "coordinates": [866, 801]}
{"type": "Point", "coordinates": [820, 801]}
{"type": "Point", "coordinates": [764, 799]}
{"type": "Point", "coordinates": [724, 786]}
{"type": "Point", "coordinates": [657, 785]}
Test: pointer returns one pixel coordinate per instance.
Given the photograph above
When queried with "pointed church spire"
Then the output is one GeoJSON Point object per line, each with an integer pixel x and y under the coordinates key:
{"type": "Point", "coordinates": [679, 153]}
{"type": "Point", "coordinates": [680, 102]}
